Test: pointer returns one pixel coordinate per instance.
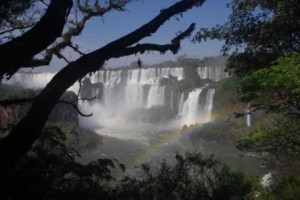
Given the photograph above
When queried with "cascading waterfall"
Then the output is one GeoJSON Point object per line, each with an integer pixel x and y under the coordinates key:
{"type": "Point", "coordinates": [189, 111]}
{"type": "Point", "coordinates": [156, 96]}
{"type": "Point", "coordinates": [181, 102]}
{"type": "Point", "coordinates": [172, 100]}
{"type": "Point", "coordinates": [209, 104]}
{"type": "Point", "coordinates": [123, 91]}
{"type": "Point", "coordinates": [214, 73]}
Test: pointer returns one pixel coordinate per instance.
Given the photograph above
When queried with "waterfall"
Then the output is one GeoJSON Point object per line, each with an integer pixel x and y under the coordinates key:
{"type": "Point", "coordinates": [189, 113]}
{"type": "Point", "coordinates": [156, 96]}
{"type": "Point", "coordinates": [209, 104]}
{"type": "Point", "coordinates": [126, 93]}
{"type": "Point", "coordinates": [248, 117]}
{"type": "Point", "coordinates": [34, 80]}
{"type": "Point", "coordinates": [172, 100]}
{"type": "Point", "coordinates": [215, 73]}
{"type": "Point", "coordinates": [181, 102]}
{"type": "Point", "coordinates": [203, 72]}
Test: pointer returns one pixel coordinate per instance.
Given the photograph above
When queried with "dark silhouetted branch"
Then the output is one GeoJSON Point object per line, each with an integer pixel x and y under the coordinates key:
{"type": "Point", "coordinates": [74, 105]}
{"type": "Point", "coordinates": [21, 50]}
{"type": "Point", "coordinates": [29, 128]}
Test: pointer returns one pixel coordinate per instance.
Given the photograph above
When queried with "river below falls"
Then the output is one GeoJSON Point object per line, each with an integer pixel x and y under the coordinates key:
{"type": "Point", "coordinates": [133, 144]}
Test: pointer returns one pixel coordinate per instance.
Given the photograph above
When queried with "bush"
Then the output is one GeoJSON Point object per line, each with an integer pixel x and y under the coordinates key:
{"type": "Point", "coordinates": [191, 177]}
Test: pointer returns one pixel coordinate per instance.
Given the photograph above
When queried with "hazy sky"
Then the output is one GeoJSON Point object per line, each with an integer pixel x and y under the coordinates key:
{"type": "Point", "coordinates": [113, 25]}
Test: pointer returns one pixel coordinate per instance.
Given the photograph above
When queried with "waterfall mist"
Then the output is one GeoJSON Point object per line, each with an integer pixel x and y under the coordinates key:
{"type": "Point", "coordinates": [147, 95]}
{"type": "Point", "coordinates": [138, 111]}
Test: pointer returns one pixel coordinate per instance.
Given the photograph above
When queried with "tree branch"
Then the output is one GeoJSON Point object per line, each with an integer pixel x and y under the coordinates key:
{"type": "Point", "coordinates": [173, 46]}
{"type": "Point", "coordinates": [75, 107]}
{"type": "Point", "coordinates": [28, 129]}
{"type": "Point", "coordinates": [21, 50]}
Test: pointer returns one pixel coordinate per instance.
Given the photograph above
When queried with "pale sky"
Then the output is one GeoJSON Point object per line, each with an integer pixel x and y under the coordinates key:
{"type": "Point", "coordinates": [101, 31]}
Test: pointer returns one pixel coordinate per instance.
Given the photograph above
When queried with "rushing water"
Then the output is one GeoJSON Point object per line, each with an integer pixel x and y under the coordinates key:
{"type": "Point", "coordinates": [133, 142]}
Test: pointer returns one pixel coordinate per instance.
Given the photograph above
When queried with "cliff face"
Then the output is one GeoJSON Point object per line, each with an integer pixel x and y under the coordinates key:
{"type": "Point", "coordinates": [63, 112]}
{"type": "Point", "coordinates": [62, 116]}
{"type": "Point", "coordinates": [11, 115]}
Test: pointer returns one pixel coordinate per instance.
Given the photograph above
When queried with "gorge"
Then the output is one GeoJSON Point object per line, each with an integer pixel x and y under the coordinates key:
{"type": "Point", "coordinates": [140, 112]}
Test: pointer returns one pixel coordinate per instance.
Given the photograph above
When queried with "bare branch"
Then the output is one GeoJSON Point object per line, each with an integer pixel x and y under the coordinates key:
{"type": "Point", "coordinates": [88, 11]}
{"type": "Point", "coordinates": [59, 55]}
{"type": "Point", "coordinates": [76, 108]}
{"type": "Point", "coordinates": [76, 49]}
{"type": "Point", "coordinates": [173, 46]}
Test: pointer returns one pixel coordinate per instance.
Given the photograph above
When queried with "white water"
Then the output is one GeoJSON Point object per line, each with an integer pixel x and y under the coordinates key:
{"type": "Point", "coordinates": [156, 96]}
{"type": "Point", "coordinates": [248, 117]}
{"type": "Point", "coordinates": [215, 73]}
{"type": "Point", "coordinates": [209, 104]}
{"type": "Point", "coordinates": [136, 142]}
{"type": "Point", "coordinates": [131, 89]}
{"type": "Point", "coordinates": [34, 80]}
{"type": "Point", "coordinates": [189, 112]}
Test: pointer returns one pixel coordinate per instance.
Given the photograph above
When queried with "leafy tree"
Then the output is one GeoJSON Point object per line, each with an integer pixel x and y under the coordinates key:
{"type": "Point", "coordinates": [257, 33]}
{"type": "Point", "coordinates": [276, 137]}
{"type": "Point", "coordinates": [276, 88]}
{"type": "Point", "coordinates": [262, 40]}
{"type": "Point", "coordinates": [46, 32]}
{"type": "Point", "coordinates": [50, 171]}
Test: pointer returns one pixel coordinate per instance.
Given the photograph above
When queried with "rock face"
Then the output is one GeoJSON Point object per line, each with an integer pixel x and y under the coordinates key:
{"type": "Point", "coordinates": [63, 116]}
{"type": "Point", "coordinates": [63, 112]}
{"type": "Point", "coordinates": [11, 115]}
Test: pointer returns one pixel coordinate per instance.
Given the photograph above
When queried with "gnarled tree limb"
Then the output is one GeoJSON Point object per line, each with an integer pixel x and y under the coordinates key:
{"type": "Point", "coordinates": [28, 129]}
{"type": "Point", "coordinates": [76, 27]}
{"type": "Point", "coordinates": [20, 50]}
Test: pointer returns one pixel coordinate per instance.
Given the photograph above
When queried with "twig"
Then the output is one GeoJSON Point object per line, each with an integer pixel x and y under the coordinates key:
{"type": "Point", "coordinates": [76, 108]}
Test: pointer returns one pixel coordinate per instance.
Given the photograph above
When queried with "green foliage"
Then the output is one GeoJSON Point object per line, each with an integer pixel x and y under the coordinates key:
{"type": "Point", "coordinates": [191, 177]}
{"type": "Point", "coordinates": [50, 171]}
{"type": "Point", "coordinates": [221, 130]}
{"type": "Point", "coordinates": [227, 98]}
{"type": "Point", "coordinates": [277, 87]}
{"type": "Point", "coordinates": [276, 136]}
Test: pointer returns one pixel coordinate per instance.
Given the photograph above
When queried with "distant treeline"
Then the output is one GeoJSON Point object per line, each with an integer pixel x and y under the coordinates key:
{"type": "Point", "coordinates": [181, 61]}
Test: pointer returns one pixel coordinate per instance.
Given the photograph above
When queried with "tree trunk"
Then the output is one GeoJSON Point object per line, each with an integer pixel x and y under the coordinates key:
{"type": "Point", "coordinates": [16, 53]}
